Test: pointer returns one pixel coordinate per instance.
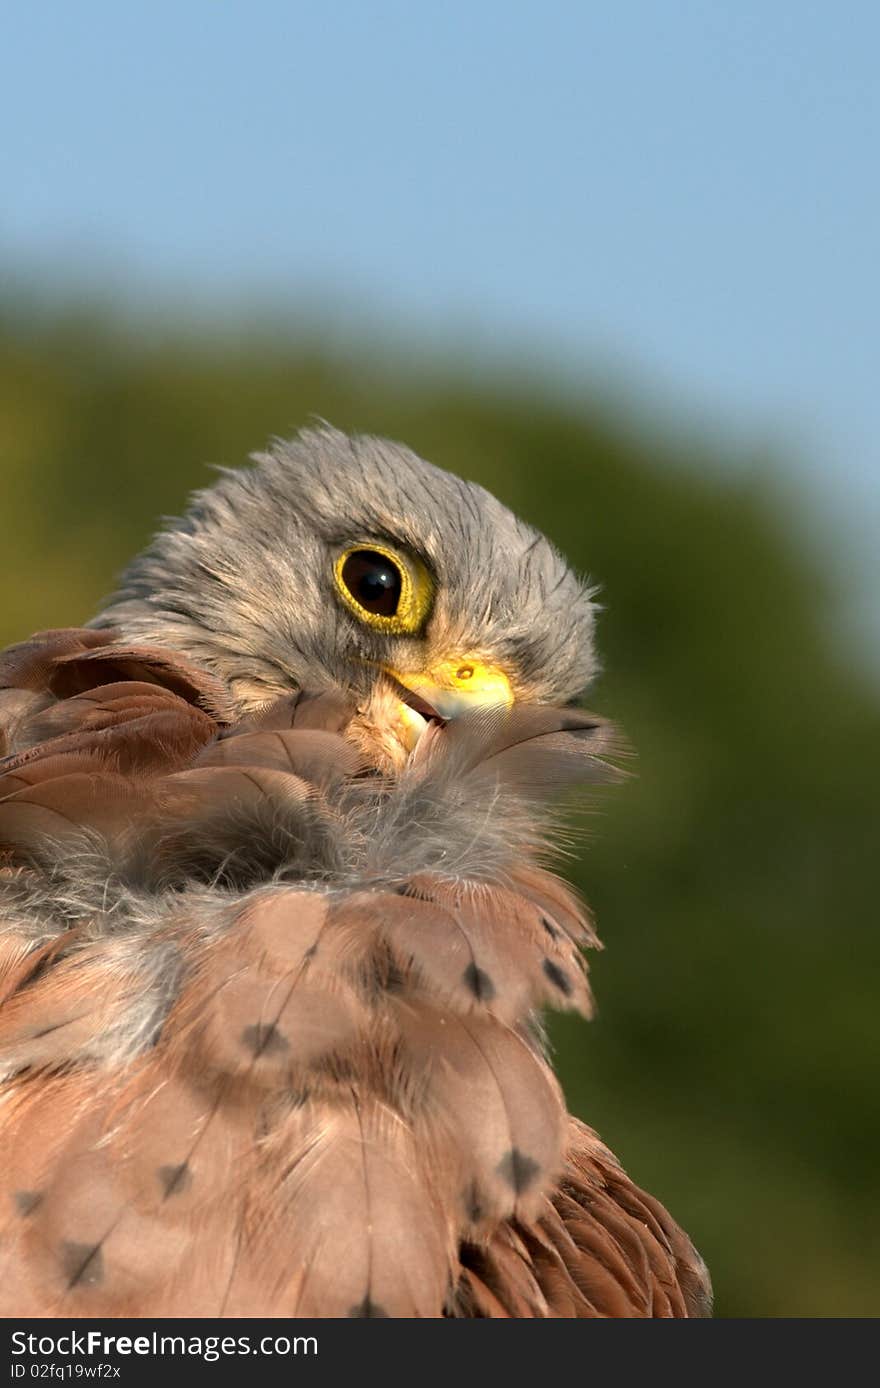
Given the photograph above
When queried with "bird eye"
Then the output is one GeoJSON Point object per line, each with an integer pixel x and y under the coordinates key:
{"type": "Point", "coordinates": [387, 589]}
{"type": "Point", "coordinates": [374, 581]}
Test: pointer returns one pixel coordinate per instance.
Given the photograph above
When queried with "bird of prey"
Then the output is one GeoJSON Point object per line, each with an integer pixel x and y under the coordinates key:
{"type": "Point", "coordinates": [278, 921]}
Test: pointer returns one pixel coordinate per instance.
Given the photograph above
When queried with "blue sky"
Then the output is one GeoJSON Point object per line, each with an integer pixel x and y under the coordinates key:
{"type": "Point", "coordinates": [683, 194]}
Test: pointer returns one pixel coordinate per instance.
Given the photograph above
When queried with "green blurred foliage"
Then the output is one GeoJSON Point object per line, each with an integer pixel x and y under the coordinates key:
{"type": "Point", "coordinates": [733, 1063]}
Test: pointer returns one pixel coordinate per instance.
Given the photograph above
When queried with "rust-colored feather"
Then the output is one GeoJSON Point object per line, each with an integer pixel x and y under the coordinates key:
{"type": "Point", "coordinates": [480, 946]}
{"type": "Point", "coordinates": [249, 1066]}
{"type": "Point", "coordinates": [315, 755]}
{"type": "Point", "coordinates": [370, 1233]}
{"type": "Point", "coordinates": [495, 1101]}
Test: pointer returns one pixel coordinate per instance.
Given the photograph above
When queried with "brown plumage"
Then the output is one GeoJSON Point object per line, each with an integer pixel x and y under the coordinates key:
{"type": "Point", "coordinates": [268, 1039]}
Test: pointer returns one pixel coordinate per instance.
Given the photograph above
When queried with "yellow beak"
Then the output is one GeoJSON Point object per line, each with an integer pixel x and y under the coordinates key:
{"type": "Point", "coordinates": [450, 688]}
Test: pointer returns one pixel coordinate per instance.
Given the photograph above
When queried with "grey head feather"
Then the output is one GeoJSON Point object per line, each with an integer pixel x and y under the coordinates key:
{"type": "Point", "coordinates": [243, 583]}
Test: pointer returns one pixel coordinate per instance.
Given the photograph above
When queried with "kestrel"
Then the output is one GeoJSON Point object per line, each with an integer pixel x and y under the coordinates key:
{"type": "Point", "coordinates": [277, 924]}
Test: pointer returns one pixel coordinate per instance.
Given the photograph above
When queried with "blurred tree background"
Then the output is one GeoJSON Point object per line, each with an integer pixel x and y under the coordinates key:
{"type": "Point", "coordinates": [733, 1063]}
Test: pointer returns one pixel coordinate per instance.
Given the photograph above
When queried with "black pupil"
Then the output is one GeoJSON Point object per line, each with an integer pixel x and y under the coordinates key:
{"type": "Point", "coordinates": [373, 581]}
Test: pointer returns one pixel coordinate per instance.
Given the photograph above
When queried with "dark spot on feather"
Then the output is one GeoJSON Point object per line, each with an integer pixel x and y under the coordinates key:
{"type": "Point", "coordinates": [557, 976]}
{"type": "Point", "coordinates": [342, 1069]}
{"type": "Point", "coordinates": [382, 973]}
{"type": "Point", "coordinates": [473, 1203]}
{"type": "Point", "coordinates": [175, 1179]}
{"type": "Point", "coordinates": [83, 1264]}
{"type": "Point", "coordinates": [479, 982]}
{"type": "Point", "coordinates": [550, 928]}
{"type": "Point", "coordinates": [395, 978]}
{"type": "Point", "coordinates": [518, 1170]}
{"type": "Point", "coordinates": [264, 1038]}
{"type": "Point", "coordinates": [26, 1201]}
{"type": "Point", "coordinates": [293, 1097]}
{"type": "Point", "coordinates": [368, 1310]}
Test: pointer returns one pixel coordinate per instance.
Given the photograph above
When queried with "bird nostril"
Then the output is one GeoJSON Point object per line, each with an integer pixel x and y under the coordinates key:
{"type": "Point", "coordinates": [464, 672]}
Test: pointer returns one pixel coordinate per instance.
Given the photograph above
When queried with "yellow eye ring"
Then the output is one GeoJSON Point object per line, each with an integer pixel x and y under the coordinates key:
{"type": "Point", "coordinates": [399, 583]}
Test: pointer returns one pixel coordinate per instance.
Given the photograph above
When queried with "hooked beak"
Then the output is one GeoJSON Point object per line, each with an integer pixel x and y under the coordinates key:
{"type": "Point", "coordinates": [446, 690]}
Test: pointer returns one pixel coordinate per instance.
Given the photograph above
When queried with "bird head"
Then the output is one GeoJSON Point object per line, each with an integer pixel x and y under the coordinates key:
{"type": "Point", "coordinates": [350, 563]}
